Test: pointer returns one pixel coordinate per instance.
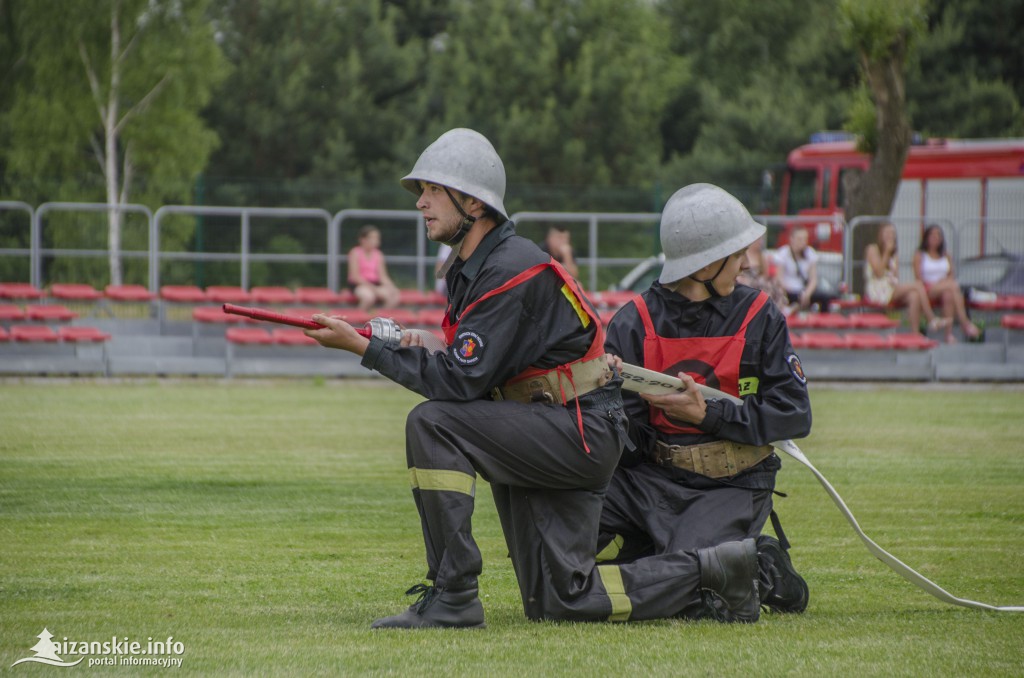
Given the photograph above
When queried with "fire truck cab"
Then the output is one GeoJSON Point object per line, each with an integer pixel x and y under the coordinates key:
{"type": "Point", "coordinates": [942, 179]}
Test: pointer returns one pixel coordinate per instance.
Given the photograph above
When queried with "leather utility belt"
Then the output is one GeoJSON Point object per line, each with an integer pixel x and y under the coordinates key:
{"type": "Point", "coordinates": [587, 376]}
{"type": "Point", "coordinates": [717, 459]}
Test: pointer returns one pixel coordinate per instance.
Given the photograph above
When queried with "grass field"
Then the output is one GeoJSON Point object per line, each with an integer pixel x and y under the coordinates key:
{"type": "Point", "coordinates": [264, 525]}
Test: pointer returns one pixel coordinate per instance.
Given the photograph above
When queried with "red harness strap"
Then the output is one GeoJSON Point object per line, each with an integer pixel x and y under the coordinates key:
{"type": "Point", "coordinates": [713, 361]}
{"type": "Point", "coordinates": [579, 302]}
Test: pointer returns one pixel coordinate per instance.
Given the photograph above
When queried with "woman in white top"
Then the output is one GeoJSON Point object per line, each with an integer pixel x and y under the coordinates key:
{"type": "Point", "coordinates": [934, 268]}
{"type": "Point", "coordinates": [882, 281]}
{"type": "Point", "coordinates": [797, 272]}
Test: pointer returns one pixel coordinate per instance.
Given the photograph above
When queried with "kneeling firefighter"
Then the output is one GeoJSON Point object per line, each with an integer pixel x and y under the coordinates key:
{"type": "Point", "coordinates": [702, 473]}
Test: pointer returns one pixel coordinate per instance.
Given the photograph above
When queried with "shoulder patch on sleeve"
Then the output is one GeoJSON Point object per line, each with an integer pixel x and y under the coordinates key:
{"type": "Point", "coordinates": [467, 348]}
{"type": "Point", "coordinates": [796, 368]}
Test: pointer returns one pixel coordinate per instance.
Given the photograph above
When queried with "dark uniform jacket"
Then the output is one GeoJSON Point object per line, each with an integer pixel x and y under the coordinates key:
{"type": "Point", "coordinates": [779, 409]}
{"type": "Point", "coordinates": [531, 325]}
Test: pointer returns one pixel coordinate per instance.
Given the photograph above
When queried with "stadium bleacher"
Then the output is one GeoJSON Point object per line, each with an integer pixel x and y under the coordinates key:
{"type": "Point", "coordinates": [183, 329]}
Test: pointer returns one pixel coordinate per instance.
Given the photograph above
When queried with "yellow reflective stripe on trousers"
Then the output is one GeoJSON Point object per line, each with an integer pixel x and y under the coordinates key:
{"type": "Point", "coordinates": [611, 577]}
{"type": "Point", "coordinates": [444, 481]}
{"type": "Point", "coordinates": [611, 551]}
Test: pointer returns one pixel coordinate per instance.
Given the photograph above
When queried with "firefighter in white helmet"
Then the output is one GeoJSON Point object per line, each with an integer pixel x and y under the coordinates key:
{"type": "Point", "coordinates": [522, 396]}
{"type": "Point", "coordinates": [702, 473]}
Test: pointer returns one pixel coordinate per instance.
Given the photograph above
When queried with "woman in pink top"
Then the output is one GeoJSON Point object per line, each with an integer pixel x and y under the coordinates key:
{"type": "Point", "coordinates": [934, 268]}
{"type": "Point", "coordinates": [367, 273]}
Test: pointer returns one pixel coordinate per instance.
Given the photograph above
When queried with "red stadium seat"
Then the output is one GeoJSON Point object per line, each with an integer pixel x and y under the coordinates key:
{"type": "Point", "coordinates": [823, 340]}
{"type": "Point", "coordinates": [248, 335]}
{"type": "Point", "coordinates": [413, 298]}
{"type": "Point", "coordinates": [1012, 321]}
{"type": "Point", "coordinates": [911, 341]}
{"type": "Point", "coordinates": [272, 295]}
{"type": "Point", "coordinates": [317, 296]}
{"type": "Point", "coordinates": [829, 321]}
{"type": "Point", "coordinates": [214, 314]}
{"type": "Point", "coordinates": [4, 336]}
{"type": "Point", "coordinates": [612, 298]}
{"type": "Point", "coordinates": [34, 334]}
{"type": "Point", "coordinates": [1009, 302]}
{"type": "Point", "coordinates": [403, 316]}
{"type": "Point", "coordinates": [183, 294]}
{"type": "Point", "coordinates": [11, 312]}
{"type": "Point", "coordinates": [49, 312]}
{"type": "Point", "coordinates": [16, 290]}
{"type": "Point", "coordinates": [227, 294]}
{"type": "Point", "coordinates": [435, 298]}
{"type": "Point", "coordinates": [82, 334]}
{"type": "Point", "coordinates": [868, 341]}
{"type": "Point", "coordinates": [797, 340]}
{"type": "Point", "coordinates": [430, 317]}
{"type": "Point", "coordinates": [819, 321]}
{"type": "Point", "coordinates": [872, 321]}
{"type": "Point", "coordinates": [75, 292]}
{"type": "Point", "coordinates": [128, 293]}
{"type": "Point", "coordinates": [347, 297]}
{"type": "Point", "coordinates": [287, 336]}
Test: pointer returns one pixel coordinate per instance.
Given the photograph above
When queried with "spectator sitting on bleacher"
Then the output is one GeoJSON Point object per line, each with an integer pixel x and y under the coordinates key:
{"type": "Point", "coordinates": [761, 275]}
{"type": "Point", "coordinates": [558, 243]}
{"type": "Point", "coordinates": [934, 268]}
{"type": "Point", "coordinates": [882, 281]}
{"type": "Point", "coordinates": [367, 273]}
{"type": "Point", "coordinates": [797, 272]}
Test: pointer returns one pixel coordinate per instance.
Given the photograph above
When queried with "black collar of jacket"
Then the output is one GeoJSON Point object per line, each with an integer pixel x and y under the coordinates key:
{"type": "Point", "coordinates": [687, 308]}
{"type": "Point", "coordinates": [472, 267]}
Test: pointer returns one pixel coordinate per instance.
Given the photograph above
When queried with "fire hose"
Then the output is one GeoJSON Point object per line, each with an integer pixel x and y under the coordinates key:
{"type": "Point", "coordinates": [641, 380]}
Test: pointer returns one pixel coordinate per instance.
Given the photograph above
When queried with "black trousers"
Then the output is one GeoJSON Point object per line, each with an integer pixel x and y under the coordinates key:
{"type": "Point", "coordinates": [548, 492]}
{"type": "Point", "coordinates": [534, 459]}
{"type": "Point", "coordinates": [649, 514]}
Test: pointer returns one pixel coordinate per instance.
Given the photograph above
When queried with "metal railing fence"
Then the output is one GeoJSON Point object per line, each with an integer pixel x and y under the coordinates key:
{"type": "Point", "coordinates": [993, 238]}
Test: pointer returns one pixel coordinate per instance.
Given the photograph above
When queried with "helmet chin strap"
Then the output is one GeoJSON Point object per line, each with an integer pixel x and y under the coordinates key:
{"type": "Point", "coordinates": [709, 284]}
{"type": "Point", "coordinates": [456, 240]}
{"type": "Point", "coordinates": [467, 221]}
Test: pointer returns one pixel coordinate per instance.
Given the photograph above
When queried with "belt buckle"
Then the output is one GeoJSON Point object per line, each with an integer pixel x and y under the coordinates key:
{"type": "Point", "coordinates": [666, 454]}
{"type": "Point", "coordinates": [537, 392]}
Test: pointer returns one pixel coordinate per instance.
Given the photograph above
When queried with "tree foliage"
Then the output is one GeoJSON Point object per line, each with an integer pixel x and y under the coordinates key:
{"type": "Point", "coordinates": [597, 104]}
{"type": "Point", "coordinates": [99, 118]}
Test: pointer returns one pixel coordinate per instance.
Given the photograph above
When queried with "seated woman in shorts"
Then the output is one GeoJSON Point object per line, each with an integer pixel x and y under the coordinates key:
{"type": "Point", "coordinates": [367, 273]}
{"type": "Point", "coordinates": [882, 281]}
{"type": "Point", "coordinates": [934, 268]}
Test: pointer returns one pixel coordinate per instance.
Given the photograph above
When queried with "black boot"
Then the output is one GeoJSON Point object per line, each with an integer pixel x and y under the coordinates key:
{"type": "Point", "coordinates": [782, 589]}
{"type": "Point", "coordinates": [437, 608]}
{"type": "Point", "coordinates": [728, 582]}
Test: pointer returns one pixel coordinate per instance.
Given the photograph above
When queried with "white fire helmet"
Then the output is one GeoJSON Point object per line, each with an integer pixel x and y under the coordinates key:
{"type": "Point", "coordinates": [464, 160]}
{"type": "Point", "coordinates": [701, 224]}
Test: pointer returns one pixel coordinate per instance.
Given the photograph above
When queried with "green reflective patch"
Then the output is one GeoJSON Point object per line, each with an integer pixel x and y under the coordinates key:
{"type": "Point", "coordinates": [443, 481]}
{"type": "Point", "coordinates": [748, 385]}
{"type": "Point", "coordinates": [611, 577]}
{"type": "Point", "coordinates": [611, 551]}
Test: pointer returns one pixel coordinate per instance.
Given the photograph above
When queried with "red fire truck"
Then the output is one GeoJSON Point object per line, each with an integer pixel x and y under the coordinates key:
{"type": "Point", "coordinates": [955, 180]}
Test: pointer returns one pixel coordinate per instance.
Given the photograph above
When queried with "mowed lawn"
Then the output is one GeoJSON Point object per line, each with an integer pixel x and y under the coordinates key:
{"type": "Point", "coordinates": [265, 524]}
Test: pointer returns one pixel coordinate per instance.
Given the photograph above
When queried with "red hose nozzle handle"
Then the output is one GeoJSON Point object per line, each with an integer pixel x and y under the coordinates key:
{"type": "Point", "coordinates": [281, 318]}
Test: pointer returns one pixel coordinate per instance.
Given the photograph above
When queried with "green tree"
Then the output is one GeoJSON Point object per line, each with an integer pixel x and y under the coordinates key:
{"type": "Point", "coordinates": [968, 77]}
{"type": "Point", "coordinates": [882, 32]}
{"type": "Point", "coordinates": [110, 91]}
{"type": "Point", "coordinates": [769, 74]}
{"type": "Point", "coordinates": [570, 93]}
